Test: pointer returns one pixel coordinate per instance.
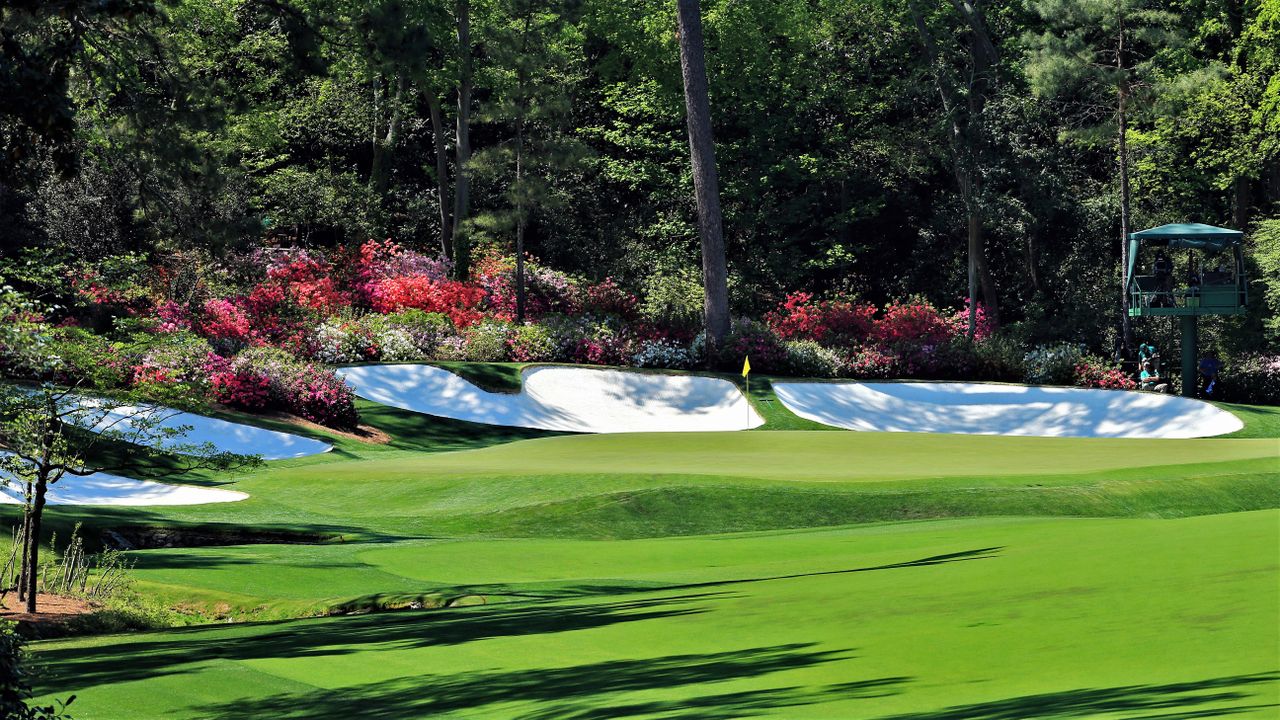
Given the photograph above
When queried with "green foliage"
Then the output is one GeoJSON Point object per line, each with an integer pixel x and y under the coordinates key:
{"type": "Point", "coordinates": [15, 682]}
{"type": "Point", "coordinates": [1265, 250]}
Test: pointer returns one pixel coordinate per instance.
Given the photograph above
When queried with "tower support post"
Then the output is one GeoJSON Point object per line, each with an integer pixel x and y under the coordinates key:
{"type": "Point", "coordinates": [1190, 351]}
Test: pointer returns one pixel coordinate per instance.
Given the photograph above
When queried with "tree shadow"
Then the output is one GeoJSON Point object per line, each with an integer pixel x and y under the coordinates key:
{"type": "Point", "coordinates": [579, 692]}
{"type": "Point", "coordinates": [1173, 701]}
{"type": "Point", "coordinates": [183, 651]}
{"type": "Point", "coordinates": [426, 433]}
{"type": "Point", "coordinates": [601, 589]}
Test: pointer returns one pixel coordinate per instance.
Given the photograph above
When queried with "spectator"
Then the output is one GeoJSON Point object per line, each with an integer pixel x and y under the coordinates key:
{"type": "Point", "coordinates": [1151, 380]}
{"type": "Point", "coordinates": [1210, 366]}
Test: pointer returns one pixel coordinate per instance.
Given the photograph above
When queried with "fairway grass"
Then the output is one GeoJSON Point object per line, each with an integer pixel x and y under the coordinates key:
{"type": "Point", "coordinates": [982, 618]}
{"type": "Point", "coordinates": [788, 571]}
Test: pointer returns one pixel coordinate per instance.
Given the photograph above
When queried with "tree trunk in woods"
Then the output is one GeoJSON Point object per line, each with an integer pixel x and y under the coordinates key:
{"type": "Point", "coordinates": [520, 223]}
{"type": "Point", "coordinates": [705, 183]}
{"type": "Point", "coordinates": [1122, 118]}
{"type": "Point", "coordinates": [462, 187]}
{"type": "Point", "coordinates": [379, 172]}
{"type": "Point", "coordinates": [442, 175]}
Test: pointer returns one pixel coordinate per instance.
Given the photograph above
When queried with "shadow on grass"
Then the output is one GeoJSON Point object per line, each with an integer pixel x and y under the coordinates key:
{"type": "Point", "coordinates": [425, 433]}
{"type": "Point", "coordinates": [589, 590]}
{"type": "Point", "coordinates": [1174, 701]}
{"type": "Point", "coordinates": [184, 651]}
{"type": "Point", "coordinates": [580, 692]}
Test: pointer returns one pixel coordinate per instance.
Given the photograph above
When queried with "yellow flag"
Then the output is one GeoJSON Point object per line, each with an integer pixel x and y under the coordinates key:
{"type": "Point", "coordinates": [746, 366]}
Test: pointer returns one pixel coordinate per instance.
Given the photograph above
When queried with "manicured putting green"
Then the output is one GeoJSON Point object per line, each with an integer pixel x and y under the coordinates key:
{"type": "Point", "coordinates": [985, 618]}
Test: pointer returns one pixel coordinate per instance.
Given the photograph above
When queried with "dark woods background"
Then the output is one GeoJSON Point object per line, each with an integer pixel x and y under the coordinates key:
{"type": "Point", "coordinates": [864, 146]}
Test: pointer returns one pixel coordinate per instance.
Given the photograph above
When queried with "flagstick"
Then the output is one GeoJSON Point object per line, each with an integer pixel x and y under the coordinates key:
{"type": "Point", "coordinates": [747, 377]}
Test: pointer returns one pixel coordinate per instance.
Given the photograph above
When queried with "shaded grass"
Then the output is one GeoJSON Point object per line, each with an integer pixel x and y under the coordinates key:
{"type": "Point", "coordinates": [988, 618]}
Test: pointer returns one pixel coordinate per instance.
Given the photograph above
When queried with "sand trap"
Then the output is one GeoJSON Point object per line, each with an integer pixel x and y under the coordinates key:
{"type": "Point", "coordinates": [104, 489]}
{"type": "Point", "coordinates": [225, 436]}
{"type": "Point", "coordinates": [982, 409]}
{"type": "Point", "coordinates": [564, 398]}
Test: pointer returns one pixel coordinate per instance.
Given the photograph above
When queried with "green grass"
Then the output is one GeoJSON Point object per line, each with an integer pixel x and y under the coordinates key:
{"type": "Point", "coordinates": [780, 571]}
{"type": "Point", "coordinates": [989, 618]}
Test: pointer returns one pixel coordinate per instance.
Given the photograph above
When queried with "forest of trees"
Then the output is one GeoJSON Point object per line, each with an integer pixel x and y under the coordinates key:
{"type": "Point", "coordinates": [878, 148]}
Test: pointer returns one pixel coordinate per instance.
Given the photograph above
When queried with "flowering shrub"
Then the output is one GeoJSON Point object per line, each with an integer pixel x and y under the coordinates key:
{"type": "Point", "coordinates": [1094, 372]}
{"type": "Point", "coordinates": [800, 317]}
{"type": "Point", "coordinates": [172, 317]}
{"type": "Point", "coordinates": [806, 358]}
{"type": "Point", "coordinates": [225, 325]}
{"type": "Point", "coordinates": [532, 343]}
{"type": "Point", "coordinates": [387, 260]}
{"type": "Point", "coordinates": [179, 357]}
{"type": "Point", "coordinates": [1052, 364]}
{"type": "Point", "coordinates": [871, 363]}
{"type": "Point", "coordinates": [335, 343]}
{"type": "Point", "coordinates": [1251, 379]}
{"type": "Point", "coordinates": [423, 329]}
{"type": "Point", "coordinates": [662, 354]}
{"type": "Point", "coordinates": [983, 329]}
{"type": "Point", "coordinates": [607, 298]}
{"type": "Point", "coordinates": [487, 341]}
{"type": "Point", "coordinates": [245, 389]}
{"type": "Point", "coordinates": [457, 300]}
{"type": "Point", "coordinates": [300, 388]}
{"type": "Point", "coordinates": [913, 322]}
{"type": "Point", "coordinates": [308, 282]}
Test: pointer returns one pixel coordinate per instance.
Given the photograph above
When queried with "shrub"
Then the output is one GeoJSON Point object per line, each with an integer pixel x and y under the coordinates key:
{"type": "Point", "coordinates": [868, 362]}
{"type": "Point", "coordinates": [425, 330]}
{"type": "Point", "coordinates": [1250, 379]}
{"type": "Point", "coordinates": [662, 354]}
{"type": "Point", "coordinates": [673, 300]}
{"type": "Point", "coordinates": [800, 317]}
{"type": "Point", "coordinates": [999, 358]}
{"type": "Point", "coordinates": [178, 357]}
{"type": "Point", "coordinates": [336, 342]}
{"type": "Point", "coordinates": [487, 341]}
{"type": "Point", "coordinates": [607, 298]}
{"type": "Point", "coordinates": [1094, 372]}
{"type": "Point", "coordinates": [376, 262]}
{"type": "Point", "coordinates": [172, 317]}
{"type": "Point", "coordinates": [1052, 364]}
{"type": "Point", "coordinates": [532, 343]}
{"type": "Point", "coordinates": [226, 325]}
{"type": "Point", "coordinates": [755, 340]}
{"type": "Point", "coordinates": [242, 389]}
{"type": "Point", "coordinates": [806, 358]}
{"type": "Point", "coordinates": [983, 329]}
{"type": "Point", "coordinates": [303, 389]}
{"type": "Point", "coordinates": [459, 301]}
{"type": "Point", "coordinates": [911, 322]}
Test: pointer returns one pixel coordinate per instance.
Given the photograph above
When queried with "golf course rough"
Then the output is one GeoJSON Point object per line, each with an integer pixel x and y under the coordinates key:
{"type": "Point", "coordinates": [998, 409]}
{"type": "Point", "coordinates": [571, 399]}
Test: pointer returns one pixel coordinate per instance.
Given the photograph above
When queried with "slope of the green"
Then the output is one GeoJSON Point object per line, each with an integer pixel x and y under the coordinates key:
{"type": "Point", "coordinates": [986, 618]}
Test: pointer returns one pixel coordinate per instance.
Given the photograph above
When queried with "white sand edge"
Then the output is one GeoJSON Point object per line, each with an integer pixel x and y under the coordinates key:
{"type": "Point", "coordinates": [573, 399]}
{"type": "Point", "coordinates": [994, 409]}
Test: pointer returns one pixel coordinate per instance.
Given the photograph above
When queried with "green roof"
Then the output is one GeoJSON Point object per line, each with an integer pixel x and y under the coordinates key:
{"type": "Point", "coordinates": [1187, 231]}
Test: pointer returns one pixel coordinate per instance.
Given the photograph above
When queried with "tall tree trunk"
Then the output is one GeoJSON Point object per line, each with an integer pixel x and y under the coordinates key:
{"type": "Point", "coordinates": [379, 174]}
{"type": "Point", "coordinates": [462, 185]}
{"type": "Point", "coordinates": [29, 497]}
{"type": "Point", "coordinates": [1122, 119]}
{"type": "Point", "coordinates": [705, 183]}
{"type": "Point", "coordinates": [520, 223]}
{"type": "Point", "coordinates": [442, 175]}
{"type": "Point", "coordinates": [32, 561]}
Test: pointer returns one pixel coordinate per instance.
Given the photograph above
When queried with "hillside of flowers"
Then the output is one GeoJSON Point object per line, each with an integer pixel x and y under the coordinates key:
{"type": "Point", "coordinates": [262, 331]}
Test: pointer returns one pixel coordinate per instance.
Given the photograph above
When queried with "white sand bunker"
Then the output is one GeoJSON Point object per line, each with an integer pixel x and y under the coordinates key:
{"type": "Point", "coordinates": [104, 489]}
{"type": "Point", "coordinates": [983, 409]}
{"type": "Point", "coordinates": [225, 436]}
{"type": "Point", "coordinates": [564, 398]}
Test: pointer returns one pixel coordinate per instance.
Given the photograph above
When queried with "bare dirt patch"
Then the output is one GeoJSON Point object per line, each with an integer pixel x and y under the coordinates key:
{"type": "Point", "coordinates": [52, 609]}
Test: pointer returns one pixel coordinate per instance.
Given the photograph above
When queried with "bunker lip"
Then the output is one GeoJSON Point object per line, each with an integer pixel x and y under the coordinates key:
{"type": "Point", "coordinates": [226, 436]}
{"type": "Point", "coordinates": [105, 489]}
{"type": "Point", "coordinates": [995, 409]}
{"type": "Point", "coordinates": [572, 399]}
